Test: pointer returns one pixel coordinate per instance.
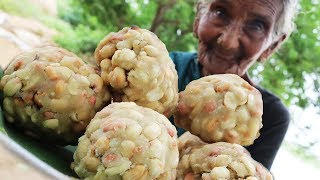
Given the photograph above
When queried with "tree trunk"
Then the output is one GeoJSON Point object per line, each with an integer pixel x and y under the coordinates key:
{"type": "Point", "coordinates": [159, 16]}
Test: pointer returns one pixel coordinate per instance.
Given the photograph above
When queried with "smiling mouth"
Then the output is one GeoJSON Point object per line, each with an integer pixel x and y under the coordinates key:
{"type": "Point", "coordinates": [226, 55]}
{"type": "Point", "coordinates": [229, 57]}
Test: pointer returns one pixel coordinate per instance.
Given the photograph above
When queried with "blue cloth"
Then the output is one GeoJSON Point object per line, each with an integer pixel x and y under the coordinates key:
{"type": "Point", "coordinates": [187, 67]}
{"type": "Point", "coordinates": [275, 116]}
{"type": "Point", "coordinates": [188, 70]}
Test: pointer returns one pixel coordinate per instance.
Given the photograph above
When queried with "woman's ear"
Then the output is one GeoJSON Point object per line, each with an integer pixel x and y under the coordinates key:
{"type": "Point", "coordinates": [272, 48]}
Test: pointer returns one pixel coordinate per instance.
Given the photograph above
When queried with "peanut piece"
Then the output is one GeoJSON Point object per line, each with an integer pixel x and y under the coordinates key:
{"type": "Point", "coordinates": [239, 168]}
{"type": "Point", "coordinates": [151, 51]}
{"type": "Point", "coordinates": [51, 73]}
{"type": "Point", "coordinates": [220, 173]}
{"type": "Point", "coordinates": [8, 105]}
{"type": "Point", "coordinates": [127, 148]}
{"type": "Point", "coordinates": [96, 82]}
{"type": "Point", "coordinates": [230, 100]}
{"type": "Point", "coordinates": [124, 58]}
{"type": "Point", "coordinates": [155, 94]}
{"type": "Point", "coordinates": [134, 173]}
{"type": "Point", "coordinates": [107, 51]}
{"type": "Point", "coordinates": [152, 131]}
{"type": "Point", "coordinates": [12, 86]}
{"type": "Point", "coordinates": [92, 163]}
{"type": "Point", "coordinates": [117, 78]}
{"type": "Point", "coordinates": [59, 89]}
{"type": "Point", "coordinates": [51, 123]}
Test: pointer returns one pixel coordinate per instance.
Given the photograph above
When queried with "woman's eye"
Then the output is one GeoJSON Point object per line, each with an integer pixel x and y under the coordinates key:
{"type": "Point", "coordinates": [256, 25]}
{"type": "Point", "coordinates": [219, 12]}
{"type": "Point", "coordinates": [218, 15]}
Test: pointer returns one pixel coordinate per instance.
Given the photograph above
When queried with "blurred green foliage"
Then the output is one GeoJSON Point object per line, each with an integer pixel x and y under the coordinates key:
{"type": "Point", "coordinates": [21, 8]}
{"type": "Point", "coordinates": [294, 72]}
{"type": "Point", "coordinates": [303, 153]}
{"type": "Point", "coordinates": [171, 20]}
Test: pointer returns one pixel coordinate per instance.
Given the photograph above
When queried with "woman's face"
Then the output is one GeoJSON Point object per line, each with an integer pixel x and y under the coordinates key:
{"type": "Point", "coordinates": [233, 34]}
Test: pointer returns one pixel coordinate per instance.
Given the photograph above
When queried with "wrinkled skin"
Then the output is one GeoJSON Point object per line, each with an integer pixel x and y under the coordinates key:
{"type": "Point", "coordinates": [233, 34]}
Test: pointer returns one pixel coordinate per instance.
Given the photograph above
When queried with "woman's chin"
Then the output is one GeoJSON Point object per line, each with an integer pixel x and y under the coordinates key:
{"type": "Point", "coordinates": [234, 70]}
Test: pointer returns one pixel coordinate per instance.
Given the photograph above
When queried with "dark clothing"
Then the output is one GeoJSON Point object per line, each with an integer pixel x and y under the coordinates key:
{"type": "Point", "coordinates": [275, 118]}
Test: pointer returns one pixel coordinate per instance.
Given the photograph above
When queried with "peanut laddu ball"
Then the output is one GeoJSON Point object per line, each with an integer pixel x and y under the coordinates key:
{"type": "Point", "coordinates": [52, 94]}
{"type": "Point", "coordinates": [127, 141]}
{"type": "Point", "coordinates": [136, 65]}
{"type": "Point", "coordinates": [221, 107]}
{"type": "Point", "coordinates": [216, 161]}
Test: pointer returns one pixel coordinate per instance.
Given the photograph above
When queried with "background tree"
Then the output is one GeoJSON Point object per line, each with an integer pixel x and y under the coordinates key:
{"type": "Point", "coordinates": [171, 20]}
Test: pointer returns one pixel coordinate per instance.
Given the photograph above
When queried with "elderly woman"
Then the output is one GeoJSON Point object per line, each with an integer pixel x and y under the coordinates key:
{"type": "Point", "coordinates": [232, 36]}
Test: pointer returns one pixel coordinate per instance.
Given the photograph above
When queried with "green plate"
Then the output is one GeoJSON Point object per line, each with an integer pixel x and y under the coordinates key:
{"type": "Point", "coordinates": [57, 157]}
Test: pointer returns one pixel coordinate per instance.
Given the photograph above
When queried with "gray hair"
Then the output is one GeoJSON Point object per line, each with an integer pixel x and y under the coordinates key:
{"type": "Point", "coordinates": [284, 25]}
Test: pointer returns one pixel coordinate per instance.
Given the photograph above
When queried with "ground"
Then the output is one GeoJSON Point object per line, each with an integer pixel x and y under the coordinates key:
{"type": "Point", "coordinates": [21, 34]}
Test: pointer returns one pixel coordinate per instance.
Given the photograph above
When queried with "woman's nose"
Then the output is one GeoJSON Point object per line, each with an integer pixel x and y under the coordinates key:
{"type": "Point", "coordinates": [229, 37]}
